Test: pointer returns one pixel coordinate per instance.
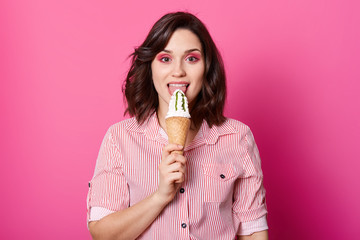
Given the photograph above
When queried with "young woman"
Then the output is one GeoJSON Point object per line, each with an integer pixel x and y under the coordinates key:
{"type": "Point", "coordinates": [140, 189]}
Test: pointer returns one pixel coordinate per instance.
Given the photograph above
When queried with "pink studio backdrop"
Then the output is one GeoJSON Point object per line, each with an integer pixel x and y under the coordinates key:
{"type": "Point", "coordinates": [293, 77]}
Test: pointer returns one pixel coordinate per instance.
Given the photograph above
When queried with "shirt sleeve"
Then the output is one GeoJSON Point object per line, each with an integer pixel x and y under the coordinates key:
{"type": "Point", "coordinates": [249, 207]}
{"type": "Point", "coordinates": [108, 189]}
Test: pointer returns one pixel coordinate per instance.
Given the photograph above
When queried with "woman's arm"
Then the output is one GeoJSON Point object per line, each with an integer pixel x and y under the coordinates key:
{"type": "Point", "coordinates": [128, 223]}
{"type": "Point", "coordinates": [263, 235]}
{"type": "Point", "coordinates": [131, 222]}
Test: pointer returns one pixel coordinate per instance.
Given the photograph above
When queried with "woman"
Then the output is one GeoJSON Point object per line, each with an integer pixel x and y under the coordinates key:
{"type": "Point", "coordinates": [140, 190]}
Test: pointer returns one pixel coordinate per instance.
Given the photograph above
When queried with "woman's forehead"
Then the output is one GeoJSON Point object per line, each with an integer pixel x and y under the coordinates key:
{"type": "Point", "coordinates": [183, 40]}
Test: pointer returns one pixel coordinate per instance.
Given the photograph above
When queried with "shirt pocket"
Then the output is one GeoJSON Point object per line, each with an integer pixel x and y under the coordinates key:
{"type": "Point", "coordinates": [218, 182]}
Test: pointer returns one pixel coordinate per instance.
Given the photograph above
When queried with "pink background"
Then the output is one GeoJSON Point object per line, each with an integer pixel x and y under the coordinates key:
{"type": "Point", "coordinates": [293, 77]}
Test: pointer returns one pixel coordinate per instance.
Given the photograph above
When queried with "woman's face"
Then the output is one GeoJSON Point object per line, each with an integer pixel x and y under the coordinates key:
{"type": "Point", "coordinates": [180, 65]}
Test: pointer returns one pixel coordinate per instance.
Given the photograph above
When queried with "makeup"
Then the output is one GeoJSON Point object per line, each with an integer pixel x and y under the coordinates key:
{"type": "Point", "coordinates": [163, 57]}
{"type": "Point", "coordinates": [193, 57]}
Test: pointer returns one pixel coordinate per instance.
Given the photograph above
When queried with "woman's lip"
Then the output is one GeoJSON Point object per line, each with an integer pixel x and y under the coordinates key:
{"type": "Point", "coordinates": [172, 87]}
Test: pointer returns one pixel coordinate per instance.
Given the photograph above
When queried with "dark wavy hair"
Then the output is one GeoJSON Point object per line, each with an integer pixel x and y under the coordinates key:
{"type": "Point", "coordinates": [141, 96]}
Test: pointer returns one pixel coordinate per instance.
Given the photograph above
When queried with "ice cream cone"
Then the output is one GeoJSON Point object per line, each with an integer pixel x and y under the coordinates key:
{"type": "Point", "coordinates": [178, 119]}
{"type": "Point", "coordinates": [177, 129]}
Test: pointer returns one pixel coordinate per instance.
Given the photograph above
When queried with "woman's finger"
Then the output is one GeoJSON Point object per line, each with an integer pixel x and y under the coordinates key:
{"type": "Point", "coordinates": [176, 177]}
{"type": "Point", "coordinates": [175, 167]}
{"type": "Point", "coordinates": [170, 159]}
{"type": "Point", "coordinates": [169, 148]}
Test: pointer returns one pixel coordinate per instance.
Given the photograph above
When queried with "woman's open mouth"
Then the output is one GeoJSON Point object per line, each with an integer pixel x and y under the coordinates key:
{"type": "Point", "coordinates": [174, 86]}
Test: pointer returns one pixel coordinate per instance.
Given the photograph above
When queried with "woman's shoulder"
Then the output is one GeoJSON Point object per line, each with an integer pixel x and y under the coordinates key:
{"type": "Point", "coordinates": [234, 128]}
{"type": "Point", "coordinates": [124, 126]}
{"type": "Point", "coordinates": [231, 128]}
{"type": "Point", "coordinates": [239, 126]}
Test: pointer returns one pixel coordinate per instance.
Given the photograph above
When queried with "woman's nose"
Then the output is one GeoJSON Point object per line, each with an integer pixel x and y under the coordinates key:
{"type": "Point", "coordinates": [178, 70]}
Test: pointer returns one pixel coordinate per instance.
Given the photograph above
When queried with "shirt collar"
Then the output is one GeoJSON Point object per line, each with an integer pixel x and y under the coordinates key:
{"type": "Point", "coordinates": [211, 135]}
{"type": "Point", "coordinates": [150, 128]}
{"type": "Point", "coordinates": [206, 135]}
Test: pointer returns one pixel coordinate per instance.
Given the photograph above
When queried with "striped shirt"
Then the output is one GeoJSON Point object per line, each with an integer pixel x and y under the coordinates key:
{"type": "Point", "coordinates": [222, 196]}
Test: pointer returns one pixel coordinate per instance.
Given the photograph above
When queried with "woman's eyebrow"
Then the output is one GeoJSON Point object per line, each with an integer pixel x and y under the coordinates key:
{"type": "Point", "coordinates": [187, 51]}
{"type": "Point", "coordinates": [192, 50]}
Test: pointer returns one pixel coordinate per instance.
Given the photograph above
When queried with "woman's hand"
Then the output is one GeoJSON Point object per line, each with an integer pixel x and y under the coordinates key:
{"type": "Point", "coordinates": [171, 172]}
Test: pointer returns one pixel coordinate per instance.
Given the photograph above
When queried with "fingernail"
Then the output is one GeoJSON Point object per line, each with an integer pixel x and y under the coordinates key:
{"type": "Point", "coordinates": [180, 146]}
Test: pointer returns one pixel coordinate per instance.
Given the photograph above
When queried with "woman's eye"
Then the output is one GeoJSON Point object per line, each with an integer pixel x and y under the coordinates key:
{"type": "Point", "coordinates": [165, 59]}
{"type": "Point", "coordinates": [192, 59]}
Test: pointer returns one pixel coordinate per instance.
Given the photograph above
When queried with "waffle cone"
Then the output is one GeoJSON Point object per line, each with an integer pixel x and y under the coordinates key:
{"type": "Point", "coordinates": [177, 129]}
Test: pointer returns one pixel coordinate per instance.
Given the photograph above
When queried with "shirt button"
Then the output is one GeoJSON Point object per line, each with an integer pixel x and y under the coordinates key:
{"type": "Point", "coordinates": [183, 225]}
{"type": "Point", "coordinates": [182, 190]}
{"type": "Point", "coordinates": [222, 176]}
{"type": "Point", "coordinates": [89, 184]}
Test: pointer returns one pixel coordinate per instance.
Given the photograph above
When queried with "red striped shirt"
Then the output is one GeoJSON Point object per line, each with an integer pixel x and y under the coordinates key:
{"type": "Point", "coordinates": [223, 192]}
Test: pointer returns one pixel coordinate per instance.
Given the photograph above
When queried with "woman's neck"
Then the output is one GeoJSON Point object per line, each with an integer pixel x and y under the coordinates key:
{"type": "Point", "coordinates": [161, 119]}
